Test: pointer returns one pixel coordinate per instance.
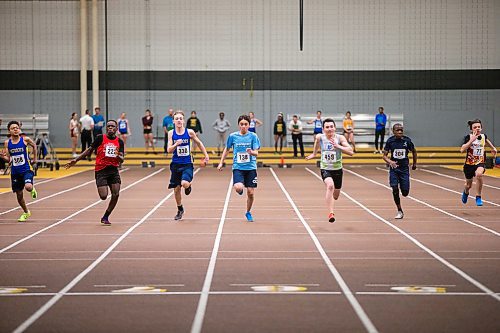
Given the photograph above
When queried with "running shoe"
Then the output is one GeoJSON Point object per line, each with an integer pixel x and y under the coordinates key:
{"type": "Point", "coordinates": [479, 201]}
{"type": "Point", "coordinates": [24, 216]}
{"type": "Point", "coordinates": [178, 216]}
{"type": "Point", "coordinates": [399, 216]}
{"type": "Point", "coordinates": [249, 216]}
{"type": "Point", "coordinates": [187, 191]}
{"type": "Point", "coordinates": [105, 221]}
{"type": "Point", "coordinates": [34, 193]}
{"type": "Point", "coordinates": [331, 217]}
{"type": "Point", "coordinates": [465, 196]}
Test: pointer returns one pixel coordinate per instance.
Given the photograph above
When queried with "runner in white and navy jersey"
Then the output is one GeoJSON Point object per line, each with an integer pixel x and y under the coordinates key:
{"type": "Point", "coordinates": [245, 146]}
{"type": "Point", "coordinates": [332, 146]}
{"type": "Point", "coordinates": [181, 168]}
{"type": "Point", "coordinates": [399, 146]}
{"type": "Point", "coordinates": [254, 122]}
{"type": "Point", "coordinates": [21, 175]}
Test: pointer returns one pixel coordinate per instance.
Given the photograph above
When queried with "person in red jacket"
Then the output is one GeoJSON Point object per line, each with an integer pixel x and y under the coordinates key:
{"type": "Point", "coordinates": [109, 155]}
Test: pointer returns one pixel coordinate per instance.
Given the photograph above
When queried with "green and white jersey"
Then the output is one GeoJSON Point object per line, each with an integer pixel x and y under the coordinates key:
{"type": "Point", "coordinates": [331, 158]}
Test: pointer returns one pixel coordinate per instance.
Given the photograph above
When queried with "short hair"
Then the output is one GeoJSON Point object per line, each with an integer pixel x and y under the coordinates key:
{"type": "Point", "coordinates": [13, 122]}
{"type": "Point", "coordinates": [329, 120]}
{"type": "Point", "coordinates": [221, 113]}
{"type": "Point", "coordinates": [474, 121]}
{"type": "Point", "coordinates": [116, 123]}
{"type": "Point", "coordinates": [381, 107]}
{"type": "Point", "coordinates": [319, 111]}
{"type": "Point", "coordinates": [244, 117]}
{"type": "Point", "coordinates": [178, 112]}
{"type": "Point", "coordinates": [396, 125]}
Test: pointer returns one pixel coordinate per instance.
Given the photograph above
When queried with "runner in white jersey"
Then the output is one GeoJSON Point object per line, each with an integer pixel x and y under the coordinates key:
{"type": "Point", "coordinates": [332, 146]}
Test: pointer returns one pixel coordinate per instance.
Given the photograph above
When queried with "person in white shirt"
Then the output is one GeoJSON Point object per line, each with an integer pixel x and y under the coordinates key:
{"type": "Point", "coordinates": [295, 127]}
{"type": "Point", "coordinates": [221, 126]}
{"type": "Point", "coordinates": [87, 126]}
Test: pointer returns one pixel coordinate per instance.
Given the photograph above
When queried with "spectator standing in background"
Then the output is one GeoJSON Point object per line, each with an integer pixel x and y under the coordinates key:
{"type": "Point", "coordinates": [318, 124]}
{"type": "Point", "coordinates": [74, 131]}
{"type": "Point", "coordinates": [279, 132]}
{"type": "Point", "coordinates": [348, 125]}
{"type": "Point", "coordinates": [123, 129]}
{"type": "Point", "coordinates": [168, 124]}
{"type": "Point", "coordinates": [87, 126]}
{"type": "Point", "coordinates": [295, 127]}
{"type": "Point", "coordinates": [147, 124]}
{"type": "Point", "coordinates": [98, 122]}
{"type": "Point", "coordinates": [254, 122]}
{"type": "Point", "coordinates": [193, 123]}
{"type": "Point", "coordinates": [380, 121]}
{"type": "Point", "coordinates": [221, 126]}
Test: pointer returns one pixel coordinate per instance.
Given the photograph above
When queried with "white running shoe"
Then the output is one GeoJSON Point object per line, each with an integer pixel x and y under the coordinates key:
{"type": "Point", "coordinates": [399, 216]}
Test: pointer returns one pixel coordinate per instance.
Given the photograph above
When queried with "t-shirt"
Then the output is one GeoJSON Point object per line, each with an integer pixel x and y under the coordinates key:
{"type": "Point", "coordinates": [475, 153]}
{"type": "Point", "coordinates": [380, 121]}
{"type": "Point", "coordinates": [242, 160]}
{"type": "Point", "coordinates": [98, 122]}
{"type": "Point", "coordinates": [168, 122]}
{"type": "Point", "coordinates": [399, 149]}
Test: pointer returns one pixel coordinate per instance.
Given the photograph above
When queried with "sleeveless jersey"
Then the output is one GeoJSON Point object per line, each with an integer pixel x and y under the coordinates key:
{"type": "Point", "coordinates": [331, 158]}
{"type": "Point", "coordinates": [107, 153]}
{"type": "Point", "coordinates": [476, 151]}
{"type": "Point", "coordinates": [348, 123]}
{"type": "Point", "coordinates": [19, 157]}
{"type": "Point", "coordinates": [182, 153]}
{"type": "Point", "coordinates": [318, 126]}
{"type": "Point", "coordinates": [122, 126]}
{"type": "Point", "coordinates": [252, 126]}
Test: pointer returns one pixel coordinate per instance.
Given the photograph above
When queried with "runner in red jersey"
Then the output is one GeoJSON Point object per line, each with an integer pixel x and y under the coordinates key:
{"type": "Point", "coordinates": [109, 155]}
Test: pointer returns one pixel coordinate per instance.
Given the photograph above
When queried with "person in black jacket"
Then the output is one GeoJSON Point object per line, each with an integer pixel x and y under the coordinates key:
{"type": "Point", "coordinates": [193, 123]}
{"type": "Point", "coordinates": [279, 133]}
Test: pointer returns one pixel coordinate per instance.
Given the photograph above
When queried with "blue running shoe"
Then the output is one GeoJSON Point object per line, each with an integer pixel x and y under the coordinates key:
{"type": "Point", "coordinates": [465, 196]}
{"type": "Point", "coordinates": [479, 201]}
{"type": "Point", "coordinates": [249, 217]}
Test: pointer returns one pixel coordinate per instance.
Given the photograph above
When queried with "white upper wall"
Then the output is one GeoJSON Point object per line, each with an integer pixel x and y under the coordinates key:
{"type": "Point", "coordinates": [257, 35]}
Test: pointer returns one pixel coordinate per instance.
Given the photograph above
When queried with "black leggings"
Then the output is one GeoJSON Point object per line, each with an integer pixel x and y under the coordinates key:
{"type": "Point", "coordinates": [379, 133]}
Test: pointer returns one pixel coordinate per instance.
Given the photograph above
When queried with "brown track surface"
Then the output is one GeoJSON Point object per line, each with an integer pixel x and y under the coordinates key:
{"type": "Point", "coordinates": [370, 255]}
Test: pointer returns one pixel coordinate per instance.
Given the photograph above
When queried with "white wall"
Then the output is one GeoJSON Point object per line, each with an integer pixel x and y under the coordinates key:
{"type": "Point", "coordinates": [258, 34]}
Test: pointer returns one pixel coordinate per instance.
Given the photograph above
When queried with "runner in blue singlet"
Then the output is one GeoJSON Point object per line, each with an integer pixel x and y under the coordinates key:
{"type": "Point", "coordinates": [21, 175]}
{"type": "Point", "coordinates": [181, 168]}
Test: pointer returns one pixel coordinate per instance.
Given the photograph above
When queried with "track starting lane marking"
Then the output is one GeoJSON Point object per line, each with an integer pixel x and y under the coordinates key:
{"type": "Point", "coordinates": [278, 289]}
{"type": "Point", "coordinates": [417, 289]}
{"type": "Point", "coordinates": [142, 289]}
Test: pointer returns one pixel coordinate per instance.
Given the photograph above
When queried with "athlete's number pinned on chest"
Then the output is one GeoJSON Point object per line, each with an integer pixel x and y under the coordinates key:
{"type": "Point", "coordinates": [18, 160]}
{"type": "Point", "coordinates": [399, 154]}
{"type": "Point", "coordinates": [110, 151]}
{"type": "Point", "coordinates": [243, 157]}
{"type": "Point", "coordinates": [330, 156]}
{"type": "Point", "coordinates": [183, 151]}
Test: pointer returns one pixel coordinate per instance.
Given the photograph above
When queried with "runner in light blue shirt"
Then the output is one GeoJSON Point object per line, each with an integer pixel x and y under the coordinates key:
{"type": "Point", "coordinates": [245, 147]}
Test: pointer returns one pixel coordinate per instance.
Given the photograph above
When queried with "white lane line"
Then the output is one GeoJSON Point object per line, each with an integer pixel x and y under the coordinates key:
{"type": "Point", "coordinates": [51, 196]}
{"type": "Point", "coordinates": [424, 203]}
{"type": "Point", "coordinates": [52, 179]}
{"type": "Point", "coordinates": [41, 311]}
{"type": "Point", "coordinates": [443, 188]}
{"type": "Point", "coordinates": [457, 270]}
{"type": "Point", "coordinates": [456, 178]}
{"type": "Point", "coordinates": [72, 215]}
{"type": "Point", "coordinates": [303, 293]}
{"type": "Point", "coordinates": [35, 286]}
{"type": "Point", "coordinates": [369, 326]}
{"type": "Point", "coordinates": [205, 291]}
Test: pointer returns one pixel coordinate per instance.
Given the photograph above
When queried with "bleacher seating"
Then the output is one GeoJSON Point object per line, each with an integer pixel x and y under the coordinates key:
{"type": "Point", "coordinates": [364, 127]}
{"type": "Point", "coordinates": [32, 124]}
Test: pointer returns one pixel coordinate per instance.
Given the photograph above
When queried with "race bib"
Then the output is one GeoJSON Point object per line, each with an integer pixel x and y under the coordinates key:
{"type": "Point", "coordinates": [110, 151]}
{"type": "Point", "coordinates": [123, 125]}
{"type": "Point", "coordinates": [18, 160]}
{"type": "Point", "coordinates": [478, 152]}
{"type": "Point", "coordinates": [183, 151]}
{"type": "Point", "coordinates": [243, 157]}
{"type": "Point", "coordinates": [399, 154]}
{"type": "Point", "coordinates": [329, 156]}
{"type": "Point", "coordinates": [318, 124]}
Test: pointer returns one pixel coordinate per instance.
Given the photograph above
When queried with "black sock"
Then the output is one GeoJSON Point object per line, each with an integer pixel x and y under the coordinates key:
{"type": "Point", "coordinates": [106, 214]}
{"type": "Point", "coordinates": [180, 208]}
{"type": "Point", "coordinates": [478, 196]}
